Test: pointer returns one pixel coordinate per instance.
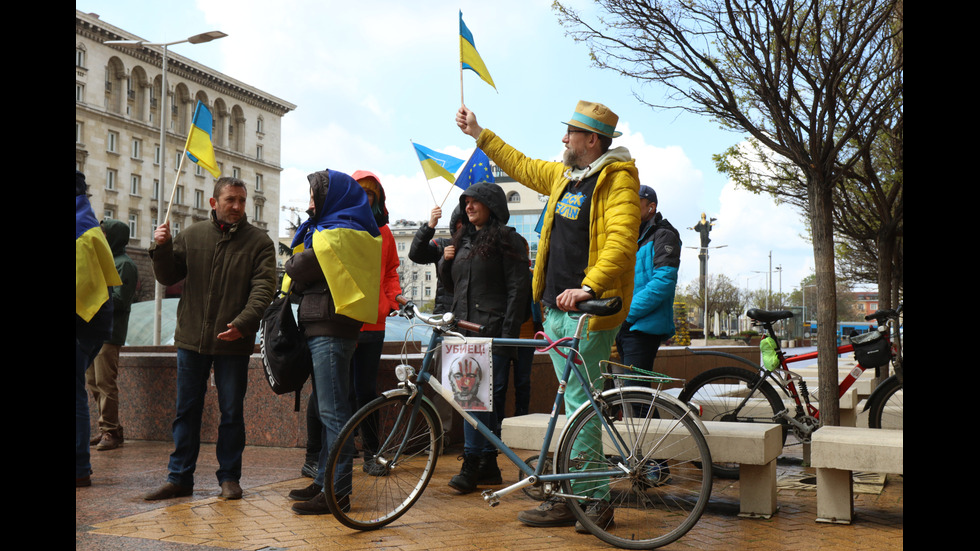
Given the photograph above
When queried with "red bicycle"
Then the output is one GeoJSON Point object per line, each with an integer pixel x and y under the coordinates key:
{"type": "Point", "coordinates": [744, 395]}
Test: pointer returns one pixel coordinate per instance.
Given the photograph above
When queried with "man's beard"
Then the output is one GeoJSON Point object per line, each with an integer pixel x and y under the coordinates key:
{"type": "Point", "coordinates": [571, 158]}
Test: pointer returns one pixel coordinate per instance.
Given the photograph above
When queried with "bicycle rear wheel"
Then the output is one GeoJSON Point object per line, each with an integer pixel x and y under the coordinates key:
{"type": "Point", "coordinates": [383, 487]}
{"type": "Point", "coordinates": [660, 474]}
{"type": "Point", "coordinates": [886, 410]}
{"type": "Point", "coordinates": [720, 391]}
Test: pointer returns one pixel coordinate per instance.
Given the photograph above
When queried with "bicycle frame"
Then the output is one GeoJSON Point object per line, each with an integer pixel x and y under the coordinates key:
{"type": "Point", "coordinates": [534, 476]}
{"type": "Point", "coordinates": [789, 387]}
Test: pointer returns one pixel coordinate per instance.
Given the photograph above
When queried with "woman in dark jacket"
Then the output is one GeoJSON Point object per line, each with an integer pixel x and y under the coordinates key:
{"type": "Point", "coordinates": [485, 269]}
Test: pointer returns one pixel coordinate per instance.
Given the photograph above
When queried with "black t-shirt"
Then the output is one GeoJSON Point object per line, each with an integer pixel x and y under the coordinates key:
{"type": "Point", "coordinates": [568, 252]}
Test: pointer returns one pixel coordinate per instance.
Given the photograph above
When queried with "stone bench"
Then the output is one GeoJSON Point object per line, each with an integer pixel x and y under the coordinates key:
{"type": "Point", "coordinates": [754, 446]}
{"type": "Point", "coordinates": [839, 450]}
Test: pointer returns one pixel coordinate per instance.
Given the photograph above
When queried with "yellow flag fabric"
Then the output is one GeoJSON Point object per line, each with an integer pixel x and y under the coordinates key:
{"type": "Point", "coordinates": [351, 261]}
{"type": "Point", "coordinates": [95, 270]}
{"type": "Point", "coordinates": [199, 148]}
{"type": "Point", "coordinates": [469, 57]}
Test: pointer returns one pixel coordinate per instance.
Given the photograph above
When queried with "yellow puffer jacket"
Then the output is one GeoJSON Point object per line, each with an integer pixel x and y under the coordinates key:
{"type": "Point", "coordinates": [615, 221]}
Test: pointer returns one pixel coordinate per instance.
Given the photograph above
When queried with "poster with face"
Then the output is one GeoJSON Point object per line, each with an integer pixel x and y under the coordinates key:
{"type": "Point", "coordinates": [470, 373]}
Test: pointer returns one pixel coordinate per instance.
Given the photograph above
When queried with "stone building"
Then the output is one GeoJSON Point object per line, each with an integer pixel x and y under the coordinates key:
{"type": "Point", "coordinates": [118, 109]}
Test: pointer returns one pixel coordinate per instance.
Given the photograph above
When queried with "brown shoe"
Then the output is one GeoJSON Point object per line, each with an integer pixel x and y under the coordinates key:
{"type": "Point", "coordinates": [109, 441]}
{"type": "Point", "coordinates": [96, 438]}
{"type": "Point", "coordinates": [169, 491]}
{"type": "Point", "coordinates": [83, 482]}
{"type": "Point", "coordinates": [314, 506]}
{"type": "Point", "coordinates": [599, 512]}
{"type": "Point", "coordinates": [230, 489]}
{"type": "Point", "coordinates": [554, 512]}
{"type": "Point", "coordinates": [306, 493]}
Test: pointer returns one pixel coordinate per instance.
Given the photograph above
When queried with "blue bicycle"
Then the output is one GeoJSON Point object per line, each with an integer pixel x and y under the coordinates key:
{"type": "Point", "coordinates": [654, 466]}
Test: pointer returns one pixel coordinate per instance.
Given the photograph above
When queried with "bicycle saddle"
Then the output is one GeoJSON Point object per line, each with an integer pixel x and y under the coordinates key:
{"type": "Point", "coordinates": [768, 316]}
{"type": "Point", "coordinates": [601, 306]}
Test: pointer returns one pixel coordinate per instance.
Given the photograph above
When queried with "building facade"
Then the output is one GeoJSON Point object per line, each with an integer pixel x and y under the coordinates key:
{"type": "Point", "coordinates": [118, 110]}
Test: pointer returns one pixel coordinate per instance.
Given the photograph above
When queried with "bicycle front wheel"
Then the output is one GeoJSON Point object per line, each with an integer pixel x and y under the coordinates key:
{"type": "Point", "coordinates": [721, 394]}
{"type": "Point", "coordinates": [656, 470]}
{"type": "Point", "coordinates": [886, 410]}
{"type": "Point", "coordinates": [390, 449]}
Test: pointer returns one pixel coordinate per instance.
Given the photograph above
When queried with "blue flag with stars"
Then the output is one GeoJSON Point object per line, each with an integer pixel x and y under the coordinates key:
{"type": "Point", "coordinates": [476, 170]}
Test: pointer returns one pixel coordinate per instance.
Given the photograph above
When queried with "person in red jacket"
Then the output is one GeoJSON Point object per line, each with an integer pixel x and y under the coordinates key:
{"type": "Point", "coordinates": [367, 355]}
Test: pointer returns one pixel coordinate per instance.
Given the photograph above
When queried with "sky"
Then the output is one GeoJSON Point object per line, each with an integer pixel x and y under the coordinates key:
{"type": "Point", "coordinates": [370, 77]}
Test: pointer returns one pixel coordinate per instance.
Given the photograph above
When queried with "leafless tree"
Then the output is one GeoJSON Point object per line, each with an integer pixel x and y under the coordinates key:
{"type": "Point", "coordinates": [804, 78]}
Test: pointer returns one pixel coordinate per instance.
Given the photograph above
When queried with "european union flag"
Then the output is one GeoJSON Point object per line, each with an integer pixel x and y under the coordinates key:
{"type": "Point", "coordinates": [477, 170]}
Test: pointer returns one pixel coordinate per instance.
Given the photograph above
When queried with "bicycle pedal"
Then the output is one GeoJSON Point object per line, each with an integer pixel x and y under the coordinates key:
{"type": "Point", "coordinates": [491, 498]}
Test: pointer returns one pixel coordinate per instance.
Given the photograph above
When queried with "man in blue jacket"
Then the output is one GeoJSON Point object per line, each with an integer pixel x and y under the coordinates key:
{"type": "Point", "coordinates": [651, 317]}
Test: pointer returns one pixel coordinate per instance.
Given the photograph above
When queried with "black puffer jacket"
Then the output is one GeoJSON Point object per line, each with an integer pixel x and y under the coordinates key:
{"type": "Point", "coordinates": [426, 250]}
{"type": "Point", "coordinates": [493, 290]}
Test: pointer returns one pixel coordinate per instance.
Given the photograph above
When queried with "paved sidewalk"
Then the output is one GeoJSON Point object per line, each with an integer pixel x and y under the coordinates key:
{"type": "Point", "coordinates": [111, 514]}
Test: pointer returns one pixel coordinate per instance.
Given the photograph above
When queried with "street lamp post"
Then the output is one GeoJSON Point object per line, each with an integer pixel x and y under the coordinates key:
{"type": "Point", "coordinates": [135, 44]}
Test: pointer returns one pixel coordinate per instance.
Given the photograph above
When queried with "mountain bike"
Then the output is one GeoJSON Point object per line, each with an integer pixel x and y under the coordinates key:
{"type": "Point", "coordinates": [750, 395]}
{"type": "Point", "coordinates": [654, 466]}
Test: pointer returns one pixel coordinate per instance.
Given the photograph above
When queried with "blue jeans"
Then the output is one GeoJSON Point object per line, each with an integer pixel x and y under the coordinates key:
{"type": "Point", "coordinates": [473, 441]}
{"type": "Point", "coordinates": [331, 388]}
{"type": "Point", "coordinates": [231, 382]}
{"type": "Point", "coordinates": [85, 351]}
{"type": "Point", "coordinates": [522, 383]}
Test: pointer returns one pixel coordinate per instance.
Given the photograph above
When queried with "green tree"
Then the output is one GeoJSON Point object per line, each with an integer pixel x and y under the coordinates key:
{"type": "Point", "coordinates": [807, 79]}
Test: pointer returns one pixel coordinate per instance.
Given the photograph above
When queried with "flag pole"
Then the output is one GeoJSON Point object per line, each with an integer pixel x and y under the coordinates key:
{"type": "Point", "coordinates": [180, 169]}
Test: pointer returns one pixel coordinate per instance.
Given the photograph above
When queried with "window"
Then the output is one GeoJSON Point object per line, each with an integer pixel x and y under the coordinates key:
{"type": "Point", "coordinates": [156, 154]}
{"type": "Point", "coordinates": [258, 152]}
{"type": "Point", "coordinates": [428, 276]}
{"type": "Point", "coordinates": [401, 246]}
{"type": "Point", "coordinates": [108, 214]}
{"type": "Point", "coordinates": [134, 224]}
{"type": "Point", "coordinates": [112, 142]}
{"type": "Point", "coordinates": [179, 197]}
{"type": "Point", "coordinates": [110, 179]}
{"type": "Point", "coordinates": [80, 56]}
{"type": "Point", "coordinates": [137, 152]}
{"type": "Point", "coordinates": [134, 184]}
{"type": "Point", "coordinates": [513, 197]}
{"type": "Point", "coordinates": [79, 127]}
{"type": "Point", "coordinates": [236, 172]}
{"type": "Point", "coordinates": [258, 182]}
{"type": "Point", "coordinates": [198, 199]}
{"type": "Point", "coordinates": [156, 190]}
{"type": "Point", "coordinates": [79, 92]}
{"type": "Point", "coordinates": [257, 213]}
{"type": "Point", "coordinates": [259, 125]}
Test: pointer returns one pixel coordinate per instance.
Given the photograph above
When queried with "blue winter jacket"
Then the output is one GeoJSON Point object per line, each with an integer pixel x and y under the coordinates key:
{"type": "Point", "coordinates": [657, 260]}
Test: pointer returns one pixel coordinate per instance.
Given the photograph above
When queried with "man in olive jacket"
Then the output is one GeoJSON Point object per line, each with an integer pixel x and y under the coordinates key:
{"type": "Point", "coordinates": [229, 273]}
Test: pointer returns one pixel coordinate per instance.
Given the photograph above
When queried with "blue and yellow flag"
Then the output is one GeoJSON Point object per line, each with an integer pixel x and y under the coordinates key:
{"type": "Point", "coordinates": [477, 170]}
{"type": "Point", "coordinates": [469, 58]}
{"type": "Point", "coordinates": [200, 148]}
{"type": "Point", "coordinates": [437, 165]}
{"type": "Point", "coordinates": [347, 244]}
{"type": "Point", "coordinates": [95, 270]}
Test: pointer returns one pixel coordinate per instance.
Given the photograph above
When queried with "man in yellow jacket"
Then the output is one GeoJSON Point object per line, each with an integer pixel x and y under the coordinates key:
{"type": "Point", "coordinates": [587, 250]}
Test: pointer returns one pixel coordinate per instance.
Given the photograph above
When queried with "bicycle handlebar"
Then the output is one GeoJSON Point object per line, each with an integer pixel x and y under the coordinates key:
{"type": "Point", "coordinates": [444, 321]}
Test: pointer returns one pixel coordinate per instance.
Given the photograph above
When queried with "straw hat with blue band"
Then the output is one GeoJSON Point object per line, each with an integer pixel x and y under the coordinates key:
{"type": "Point", "coordinates": [595, 117]}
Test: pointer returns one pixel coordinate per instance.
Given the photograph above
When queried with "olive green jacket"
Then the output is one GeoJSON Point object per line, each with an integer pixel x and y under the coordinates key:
{"type": "Point", "coordinates": [229, 277]}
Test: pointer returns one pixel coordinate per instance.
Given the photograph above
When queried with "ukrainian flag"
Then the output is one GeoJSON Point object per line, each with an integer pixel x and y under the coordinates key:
{"type": "Point", "coordinates": [200, 148]}
{"type": "Point", "coordinates": [95, 270]}
{"type": "Point", "coordinates": [468, 56]}
{"type": "Point", "coordinates": [347, 244]}
{"type": "Point", "coordinates": [437, 165]}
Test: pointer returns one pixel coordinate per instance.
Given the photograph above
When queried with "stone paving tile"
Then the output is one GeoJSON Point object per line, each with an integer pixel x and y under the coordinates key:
{"type": "Point", "coordinates": [112, 515]}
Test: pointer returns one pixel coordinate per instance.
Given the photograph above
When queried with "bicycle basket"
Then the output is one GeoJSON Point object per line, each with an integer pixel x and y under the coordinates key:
{"type": "Point", "coordinates": [871, 349]}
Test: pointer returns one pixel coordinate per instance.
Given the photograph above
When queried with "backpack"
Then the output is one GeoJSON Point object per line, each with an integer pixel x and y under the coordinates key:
{"type": "Point", "coordinates": [286, 357]}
